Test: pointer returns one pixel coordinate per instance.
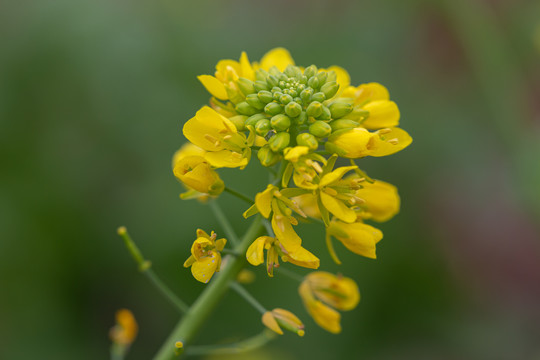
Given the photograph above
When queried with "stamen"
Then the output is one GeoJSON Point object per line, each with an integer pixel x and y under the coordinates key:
{"type": "Point", "coordinates": [330, 191]}
{"type": "Point", "coordinates": [394, 141]}
{"type": "Point", "coordinates": [384, 131]}
{"type": "Point", "coordinates": [212, 139]}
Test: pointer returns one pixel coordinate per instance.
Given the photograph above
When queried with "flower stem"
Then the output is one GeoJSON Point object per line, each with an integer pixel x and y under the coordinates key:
{"type": "Point", "coordinates": [247, 296]}
{"type": "Point", "coordinates": [290, 274]}
{"type": "Point", "coordinates": [239, 195]}
{"type": "Point", "coordinates": [145, 268]}
{"type": "Point", "coordinates": [225, 224]}
{"type": "Point", "coordinates": [239, 347]}
{"type": "Point", "coordinates": [201, 309]}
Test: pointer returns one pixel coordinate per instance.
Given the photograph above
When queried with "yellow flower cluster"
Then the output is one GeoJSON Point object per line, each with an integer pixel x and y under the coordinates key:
{"type": "Point", "coordinates": [299, 121]}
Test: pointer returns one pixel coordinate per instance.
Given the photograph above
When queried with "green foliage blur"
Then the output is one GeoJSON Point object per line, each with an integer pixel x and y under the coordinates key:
{"type": "Point", "coordinates": [93, 96]}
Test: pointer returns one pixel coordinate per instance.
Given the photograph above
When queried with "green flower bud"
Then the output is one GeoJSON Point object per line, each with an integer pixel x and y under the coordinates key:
{"type": "Point", "coordinates": [343, 124]}
{"type": "Point", "coordinates": [292, 71]}
{"type": "Point", "coordinates": [280, 122]}
{"type": "Point", "coordinates": [310, 71]}
{"type": "Point", "coordinates": [245, 86]}
{"type": "Point", "coordinates": [320, 129]}
{"type": "Point", "coordinates": [272, 80]}
{"type": "Point", "coordinates": [277, 95]}
{"type": "Point", "coordinates": [261, 75]}
{"type": "Point", "coordinates": [283, 77]}
{"type": "Point", "coordinates": [265, 96]}
{"type": "Point", "coordinates": [320, 97]}
{"type": "Point", "coordinates": [262, 127]}
{"type": "Point", "coordinates": [267, 157]}
{"type": "Point", "coordinates": [313, 82]}
{"type": "Point", "coordinates": [302, 118]}
{"type": "Point", "coordinates": [285, 99]}
{"type": "Point", "coordinates": [293, 109]}
{"type": "Point", "coordinates": [332, 76]}
{"type": "Point", "coordinates": [273, 108]}
{"type": "Point", "coordinates": [306, 139]}
{"type": "Point", "coordinates": [276, 89]}
{"type": "Point", "coordinates": [245, 109]}
{"type": "Point", "coordinates": [253, 100]}
{"type": "Point", "coordinates": [274, 71]}
{"type": "Point", "coordinates": [325, 115]}
{"type": "Point", "coordinates": [321, 76]}
{"type": "Point", "coordinates": [252, 120]}
{"type": "Point", "coordinates": [305, 95]}
{"type": "Point", "coordinates": [261, 85]}
{"type": "Point", "coordinates": [314, 109]}
{"type": "Point", "coordinates": [234, 95]}
{"type": "Point", "coordinates": [340, 109]}
{"type": "Point", "coordinates": [239, 122]}
{"type": "Point", "coordinates": [330, 89]}
{"type": "Point", "coordinates": [279, 141]}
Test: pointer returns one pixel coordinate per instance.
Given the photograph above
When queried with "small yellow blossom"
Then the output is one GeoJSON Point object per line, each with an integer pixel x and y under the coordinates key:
{"type": "Point", "coordinates": [274, 250]}
{"type": "Point", "coordinates": [321, 292]}
{"type": "Point", "coordinates": [195, 172]}
{"type": "Point", "coordinates": [225, 146]}
{"type": "Point", "coordinates": [358, 237]}
{"type": "Point", "coordinates": [308, 204]}
{"type": "Point", "coordinates": [381, 200]}
{"type": "Point", "coordinates": [205, 257]}
{"type": "Point", "coordinates": [358, 142]}
{"type": "Point", "coordinates": [281, 318]}
{"type": "Point", "coordinates": [126, 328]}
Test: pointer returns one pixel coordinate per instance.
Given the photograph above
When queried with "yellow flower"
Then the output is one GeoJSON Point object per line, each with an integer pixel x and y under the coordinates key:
{"type": "Point", "coordinates": [381, 200]}
{"type": "Point", "coordinates": [276, 202]}
{"type": "Point", "coordinates": [358, 142]}
{"type": "Point", "coordinates": [216, 134]}
{"type": "Point", "coordinates": [306, 166]}
{"type": "Point", "coordinates": [205, 257]}
{"type": "Point", "coordinates": [358, 237]}
{"type": "Point", "coordinates": [308, 204]}
{"type": "Point", "coordinates": [188, 149]}
{"type": "Point", "coordinates": [321, 292]}
{"type": "Point", "coordinates": [274, 250]}
{"type": "Point", "coordinates": [278, 57]}
{"type": "Point", "coordinates": [126, 328]}
{"type": "Point", "coordinates": [281, 318]}
{"type": "Point", "coordinates": [196, 174]}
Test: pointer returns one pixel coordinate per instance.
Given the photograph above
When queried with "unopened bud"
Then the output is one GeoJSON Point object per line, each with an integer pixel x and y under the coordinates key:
{"type": "Point", "coordinates": [261, 75]}
{"type": "Point", "coordinates": [314, 109]}
{"type": "Point", "coordinates": [273, 108]}
{"type": "Point", "coordinates": [239, 122]}
{"type": "Point", "coordinates": [262, 127]}
{"type": "Point", "coordinates": [252, 120]}
{"type": "Point", "coordinates": [279, 141]}
{"type": "Point", "coordinates": [293, 109]}
{"type": "Point", "coordinates": [305, 94]}
{"type": "Point", "coordinates": [313, 82]}
{"type": "Point", "coordinates": [340, 109]}
{"type": "Point", "coordinates": [246, 86]}
{"type": "Point", "coordinates": [292, 71]}
{"type": "Point", "coordinates": [280, 122]}
{"type": "Point", "coordinates": [343, 124]}
{"type": "Point", "coordinates": [267, 157]}
{"type": "Point", "coordinates": [307, 139]}
{"type": "Point", "coordinates": [322, 77]}
{"type": "Point", "coordinates": [325, 115]}
{"type": "Point", "coordinates": [310, 71]}
{"type": "Point", "coordinates": [265, 96]}
{"type": "Point", "coordinates": [253, 100]}
{"type": "Point", "coordinates": [318, 97]}
{"type": "Point", "coordinates": [330, 89]}
{"type": "Point", "coordinates": [245, 109]}
{"type": "Point", "coordinates": [285, 99]}
{"type": "Point", "coordinates": [261, 85]}
{"type": "Point", "coordinates": [272, 80]}
{"type": "Point", "coordinates": [302, 118]}
{"type": "Point", "coordinates": [320, 129]}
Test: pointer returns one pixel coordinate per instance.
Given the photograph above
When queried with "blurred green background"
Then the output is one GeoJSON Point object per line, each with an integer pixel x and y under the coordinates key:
{"type": "Point", "coordinates": [93, 96]}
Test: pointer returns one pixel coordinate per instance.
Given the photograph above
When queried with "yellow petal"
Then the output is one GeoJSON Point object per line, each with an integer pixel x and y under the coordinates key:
{"type": "Point", "coordinates": [278, 57]}
{"type": "Point", "coordinates": [255, 251]}
{"type": "Point", "coordinates": [226, 158]}
{"type": "Point", "coordinates": [382, 114]}
{"type": "Point", "coordinates": [220, 244]}
{"type": "Point", "coordinates": [204, 268]}
{"type": "Point", "coordinates": [351, 144]}
{"type": "Point", "coordinates": [263, 200]}
{"type": "Point", "coordinates": [188, 149]}
{"type": "Point", "coordinates": [326, 317]}
{"type": "Point", "coordinates": [338, 208]}
{"type": "Point", "coordinates": [361, 238]}
{"type": "Point", "coordinates": [304, 258]}
{"type": "Point", "coordinates": [396, 140]}
{"type": "Point", "coordinates": [337, 291]}
{"type": "Point", "coordinates": [335, 175]}
{"type": "Point", "coordinates": [270, 322]}
{"type": "Point", "coordinates": [245, 65]}
{"type": "Point", "coordinates": [292, 154]}
{"type": "Point", "coordinates": [213, 86]}
{"type": "Point", "coordinates": [371, 92]}
{"type": "Point", "coordinates": [285, 233]}
{"type": "Point", "coordinates": [343, 78]}
{"type": "Point", "coordinates": [207, 129]}
{"type": "Point", "coordinates": [381, 200]}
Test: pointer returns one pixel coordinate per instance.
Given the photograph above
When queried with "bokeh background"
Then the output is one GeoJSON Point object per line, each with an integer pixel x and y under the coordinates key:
{"type": "Point", "coordinates": [93, 96]}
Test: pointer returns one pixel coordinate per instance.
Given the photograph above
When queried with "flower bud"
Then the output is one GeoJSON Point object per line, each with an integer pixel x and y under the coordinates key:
{"type": "Point", "coordinates": [280, 122]}
{"type": "Point", "coordinates": [306, 139]}
{"type": "Point", "coordinates": [321, 76]}
{"type": "Point", "coordinates": [279, 141]}
{"type": "Point", "coordinates": [280, 318]}
{"type": "Point", "coordinates": [267, 157]}
{"type": "Point", "coordinates": [330, 89]}
{"type": "Point", "coordinates": [318, 97]}
{"type": "Point", "coordinates": [343, 124]}
{"type": "Point", "coordinates": [252, 120]}
{"type": "Point", "coordinates": [261, 85]}
{"type": "Point", "coordinates": [253, 100]}
{"type": "Point", "coordinates": [302, 118]}
{"type": "Point", "coordinates": [285, 99]}
{"type": "Point", "coordinates": [239, 122]}
{"type": "Point", "coordinates": [245, 109]}
{"type": "Point", "coordinates": [305, 94]}
{"type": "Point", "coordinates": [246, 86]}
{"type": "Point", "coordinates": [277, 95]}
{"type": "Point", "coordinates": [293, 109]}
{"type": "Point", "coordinates": [340, 109]}
{"type": "Point", "coordinates": [265, 96]}
{"type": "Point", "coordinates": [320, 129]}
{"type": "Point", "coordinates": [313, 82]}
{"type": "Point", "coordinates": [262, 127]}
{"type": "Point", "coordinates": [272, 80]}
{"type": "Point", "coordinates": [261, 75]}
{"type": "Point", "coordinates": [273, 108]}
{"type": "Point", "coordinates": [310, 71]}
{"type": "Point", "coordinates": [314, 109]}
{"type": "Point", "coordinates": [325, 115]}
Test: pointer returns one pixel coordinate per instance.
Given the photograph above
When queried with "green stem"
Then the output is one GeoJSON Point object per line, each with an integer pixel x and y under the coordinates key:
{"type": "Point", "coordinates": [192, 322]}
{"type": "Point", "coordinates": [117, 352]}
{"type": "Point", "coordinates": [239, 195]}
{"type": "Point", "coordinates": [145, 268]}
{"type": "Point", "coordinates": [225, 224]}
{"type": "Point", "coordinates": [239, 347]}
{"type": "Point", "coordinates": [247, 296]}
{"type": "Point", "coordinates": [290, 274]}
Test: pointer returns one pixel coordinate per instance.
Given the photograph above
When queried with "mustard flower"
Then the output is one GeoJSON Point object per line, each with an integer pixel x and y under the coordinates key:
{"type": "Point", "coordinates": [196, 173]}
{"type": "Point", "coordinates": [274, 250]}
{"type": "Point", "coordinates": [322, 293]}
{"type": "Point", "coordinates": [358, 237]}
{"type": "Point", "coordinates": [381, 200]}
{"type": "Point", "coordinates": [205, 257]}
{"type": "Point", "coordinates": [126, 328]}
{"type": "Point", "coordinates": [281, 318]}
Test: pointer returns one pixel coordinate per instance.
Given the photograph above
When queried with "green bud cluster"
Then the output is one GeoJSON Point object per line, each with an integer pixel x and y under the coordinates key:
{"type": "Point", "coordinates": [292, 107]}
